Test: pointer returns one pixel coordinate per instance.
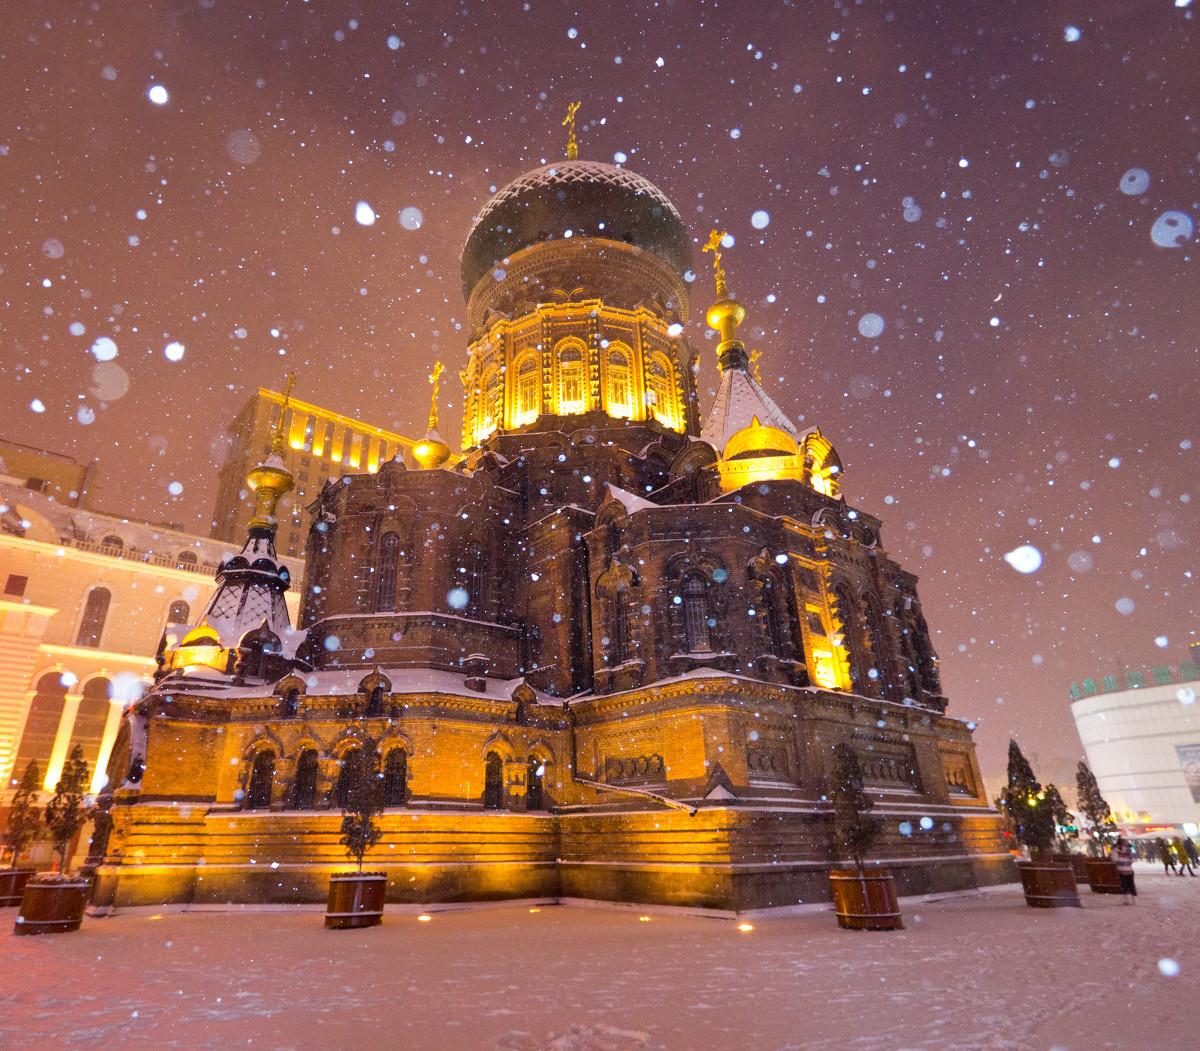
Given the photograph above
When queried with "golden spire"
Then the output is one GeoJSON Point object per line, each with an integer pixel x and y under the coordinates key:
{"type": "Point", "coordinates": [754, 370]}
{"type": "Point", "coordinates": [277, 434]}
{"type": "Point", "coordinates": [434, 378]}
{"type": "Point", "coordinates": [569, 124]}
{"type": "Point", "coordinates": [270, 480]}
{"type": "Point", "coordinates": [431, 451]}
{"type": "Point", "coordinates": [726, 313]}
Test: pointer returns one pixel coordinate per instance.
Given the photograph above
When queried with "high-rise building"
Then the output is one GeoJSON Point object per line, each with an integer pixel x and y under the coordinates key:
{"type": "Point", "coordinates": [318, 445]}
{"type": "Point", "coordinates": [605, 651]}
{"type": "Point", "coordinates": [57, 475]}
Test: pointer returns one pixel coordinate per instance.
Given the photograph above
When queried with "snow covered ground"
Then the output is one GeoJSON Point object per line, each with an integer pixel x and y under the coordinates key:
{"type": "Point", "coordinates": [981, 971]}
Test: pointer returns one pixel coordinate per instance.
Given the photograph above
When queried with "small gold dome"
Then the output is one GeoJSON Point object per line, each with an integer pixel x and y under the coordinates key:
{"type": "Point", "coordinates": [431, 452]}
{"type": "Point", "coordinates": [726, 311]}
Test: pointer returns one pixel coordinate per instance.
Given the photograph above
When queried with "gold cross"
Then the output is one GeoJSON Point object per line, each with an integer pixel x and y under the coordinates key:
{"type": "Point", "coordinates": [434, 378]}
{"type": "Point", "coordinates": [277, 437]}
{"type": "Point", "coordinates": [569, 124]}
{"type": "Point", "coordinates": [714, 245]}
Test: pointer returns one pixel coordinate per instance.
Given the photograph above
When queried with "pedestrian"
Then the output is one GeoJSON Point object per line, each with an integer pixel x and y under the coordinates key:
{"type": "Point", "coordinates": [1189, 846]}
{"type": "Point", "coordinates": [1122, 854]}
{"type": "Point", "coordinates": [1166, 855]}
{"type": "Point", "coordinates": [1182, 855]}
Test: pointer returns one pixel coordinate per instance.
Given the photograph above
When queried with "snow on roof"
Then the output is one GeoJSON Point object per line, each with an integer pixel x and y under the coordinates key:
{"type": "Point", "coordinates": [631, 501]}
{"type": "Point", "coordinates": [740, 399]}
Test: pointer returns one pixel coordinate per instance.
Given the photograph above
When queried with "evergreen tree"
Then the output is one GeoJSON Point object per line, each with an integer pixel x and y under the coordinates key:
{"type": "Point", "coordinates": [24, 817]}
{"type": "Point", "coordinates": [67, 812]}
{"type": "Point", "coordinates": [1101, 823]}
{"type": "Point", "coordinates": [362, 802]}
{"type": "Point", "coordinates": [855, 829]}
{"type": "Point", "coordinates": [1024, 802]}
{"type": "Point", "coordinates": [1058, 809]}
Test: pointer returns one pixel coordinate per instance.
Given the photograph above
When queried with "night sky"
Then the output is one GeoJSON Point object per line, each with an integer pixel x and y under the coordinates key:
{"type": "Point", "coordinates": [958, 169]}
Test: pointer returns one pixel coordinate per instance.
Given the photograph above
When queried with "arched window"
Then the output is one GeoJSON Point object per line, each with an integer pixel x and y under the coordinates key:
{"type": "Point", "coordinates": [618, 385]}
{"type": "Point", "coordinates": [352, 771]}
{"type": "Point", "coordinates": [386, 568]}
{"type": "Point", "coordinates": [908, 652]}
{"type": "Point", "coordinates": [262, 780]}
{"type": "Point", "coordinates": [535, 797]}
{"type": "Point", "coordinates": [90, 720]}
{"type": "Point", "coordinates": [572, 380]}
{"type": "Point", "coordinates": [41, 723]}
{"type": "Point", "coordinates": [493, 399]}
{"type": "Point", "coordinates": [304, 788]}
{"type": "Point", "coordinates": [620, 639]}
{"type": "Point", "coordinates": [95, 612]}
{"type": "Point", "coordinates": [178, 612]}
{"type": "Point", "coordinates": [528, 398]}
{"type": "Point", "coordinates": [660, 393]}
{"type": "Point", "coordinates": [375, 701]}
{"type": "Point", "coordinates": [395, 778]}
{"type": "Point", "coordinates": [112, 543]}
{"type": "Point", "coordinates": [773, 620]}
{"type": "Point", "coordinates": [493, 782]}
{"type": "Point", "coordinates": [289, 705]}
{"type": "Point", "coordinates": [853, 641]}
{"type": "Point", "coordinates": [476, 580]}
{"type": "Point", "coordinates": [185, 560]}
{"type": "Point", "coordinates": [695, 614]}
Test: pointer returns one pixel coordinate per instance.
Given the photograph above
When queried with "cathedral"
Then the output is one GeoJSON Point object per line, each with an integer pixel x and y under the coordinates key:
{"type": "Point", "coordinates": [604, 652]}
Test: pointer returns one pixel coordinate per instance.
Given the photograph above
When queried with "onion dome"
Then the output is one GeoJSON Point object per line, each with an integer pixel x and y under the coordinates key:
{"type": "Point", "coordinates": [578, 199]}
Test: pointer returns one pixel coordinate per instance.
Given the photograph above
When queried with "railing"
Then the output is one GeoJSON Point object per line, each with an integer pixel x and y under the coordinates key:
{"type": "Point", "coordinates": [132, 554]}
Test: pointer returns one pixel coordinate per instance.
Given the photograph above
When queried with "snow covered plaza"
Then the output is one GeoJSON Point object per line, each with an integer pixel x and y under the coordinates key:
{"type": "Point", "coordinates": [979, 971]}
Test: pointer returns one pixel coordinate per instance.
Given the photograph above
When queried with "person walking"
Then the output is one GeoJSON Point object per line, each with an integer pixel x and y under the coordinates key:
{"type": "Point", "coordinates": [1182, 856]}
{"type": "Point", "coordinates": [1189, 846]}
{"type": "Point", "coordinates": [1166, 855]}
{"type": "Point", "coordinates": [1122, 854]}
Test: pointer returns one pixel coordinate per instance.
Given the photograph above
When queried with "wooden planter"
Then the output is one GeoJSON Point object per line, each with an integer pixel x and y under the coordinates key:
{"type": "Point", "coordinates": [1078, 863]}
{"type": "Point", "coordinates": [1049, 885]}
{"type": "Point", "coordinates": [355, 900]}
{"type": "Point", "coordinates": [1102, 876]}
{"type": "Point", "coordinates": [865, 902]}
{"type": "Point", "coordinates": [12, 885]}
{"type": "Point", "coordinates": [52, 906]}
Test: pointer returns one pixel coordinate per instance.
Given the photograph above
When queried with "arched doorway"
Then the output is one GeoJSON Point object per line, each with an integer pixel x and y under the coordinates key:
{"type": "Point", "coordinates": [395, 778]}
{"type": "Point", "coordinates": [535, 796]}
{"type": "Point", "coordinates": [304, 788]}
{"type": "Point", "coordinates": [493, 782]}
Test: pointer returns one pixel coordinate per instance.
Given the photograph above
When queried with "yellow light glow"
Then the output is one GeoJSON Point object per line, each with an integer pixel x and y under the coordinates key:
{"type": "Point", "coordinates": [643, 919]}
{"type": "Point", "coordinates": [825, 669]}
{"type": "Point", "coordinates": [535, 910]}
{"type": "Point", "coordinates": [745, 928]}
{"type": "Point", "coordinates": [424, 918]}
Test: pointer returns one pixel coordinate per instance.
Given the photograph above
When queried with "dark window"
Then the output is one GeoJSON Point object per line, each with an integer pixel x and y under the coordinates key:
{"type": "Point", "coordinates": [493, 782]}
{"type": "Point", "coordinates": [95, 612]}
{"type": "Point", "coordinates": [375, 701]}
{"type": "Point", "coordinates": [15, 585]}
{"type": "Point", "coordinates": [290, 705]}
{"type": "Point", "coordinates": [385, 573]}
{"type": "Point", "coordinates": [90, 720]}
{"type": "Point", "coordinates": [41, 724]}
{"type": "Point", "coordinates": [179, 612]}
{"type": "Point", "coordinates": [695, 614]}
{"type": "Point", "coordinates": [535, 798]}
{"type": "Point", "coordinates": [475, 580]}
{"type": "Point", "coordinates": [304, 788]}
{"type": "Point", "coordinates": [186, 560]}
{"type": "Point", "coordinates": [620, 639]}
{"type": "Point", "coordinates": [352, 771]}
{"type": "Point", "coordinates": [113, 542]}
{"type": "Point", "coordinates": [395, 778]}
{"type": "Point", "coordinates": [262, 779]}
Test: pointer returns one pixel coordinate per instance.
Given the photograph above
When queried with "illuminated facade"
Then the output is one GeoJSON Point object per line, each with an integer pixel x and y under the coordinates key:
{"type": "Point", "coordinates": [604, 652]}
{"type": "Point", "coordinates": [1141, 733]}
{"type": "Point", "coordinates": [318, 445]}
{"type": "Point", "coordinates": [85, 600]}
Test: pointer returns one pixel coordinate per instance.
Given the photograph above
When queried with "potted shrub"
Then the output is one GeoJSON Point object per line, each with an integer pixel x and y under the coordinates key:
{"type": "Point", "coordinates": [53, 903]}
{"type": "Point", "coordinates": [356, 898]}
{"type": "Point", "coordinates": [1048, 884]}
{"type": "Point", "coordinates": [863, 901]}
{"type": "Point", "coordinates": [24, 820]}
{"type": "Point", "coordinates": [1100, 871]}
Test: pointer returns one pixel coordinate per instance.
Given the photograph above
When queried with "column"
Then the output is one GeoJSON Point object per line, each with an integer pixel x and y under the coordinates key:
{"type": "Point", "coordinates": [112, 726]}
{"type": "Point", "coordinates": [62, 740]}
